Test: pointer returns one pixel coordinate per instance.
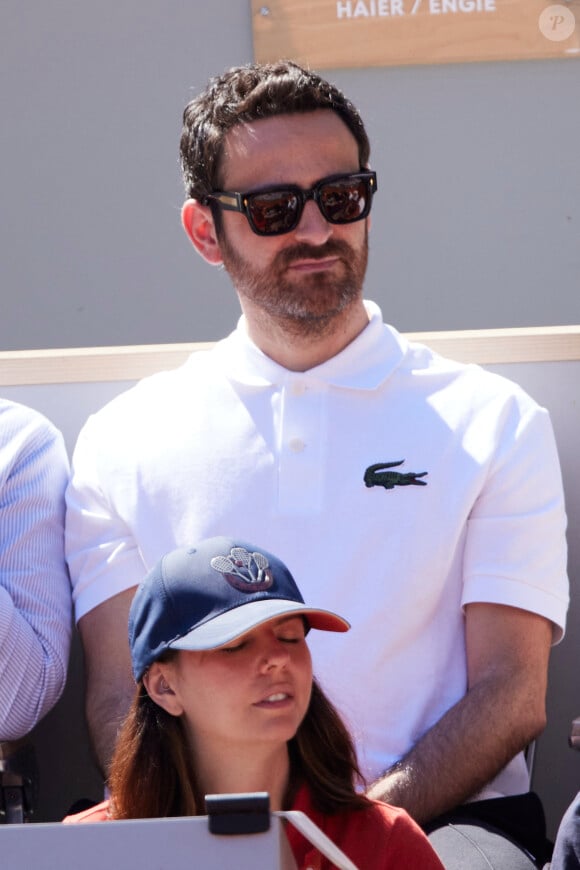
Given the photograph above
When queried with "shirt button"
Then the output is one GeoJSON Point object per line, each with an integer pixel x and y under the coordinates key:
{"type": "Point", "coordinates": [298, 388]}
{"type": "Point", "coordinates": [296, 445]}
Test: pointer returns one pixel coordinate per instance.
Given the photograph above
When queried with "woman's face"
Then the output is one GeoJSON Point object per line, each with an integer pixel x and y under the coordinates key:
{"type": "Point", "coordinates": [255, 689]}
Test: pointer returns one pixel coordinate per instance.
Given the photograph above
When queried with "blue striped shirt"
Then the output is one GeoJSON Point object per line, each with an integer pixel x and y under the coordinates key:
{"type": "Point", "coordinates": [35, 599]}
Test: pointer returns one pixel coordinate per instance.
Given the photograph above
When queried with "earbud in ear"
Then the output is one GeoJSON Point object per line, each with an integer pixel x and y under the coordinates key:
{"type": "Point", "coordinates": [164, 688]}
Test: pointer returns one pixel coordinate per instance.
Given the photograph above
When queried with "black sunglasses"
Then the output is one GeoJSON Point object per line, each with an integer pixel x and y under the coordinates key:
{"type": "Point", "coordinates": [342, 199]}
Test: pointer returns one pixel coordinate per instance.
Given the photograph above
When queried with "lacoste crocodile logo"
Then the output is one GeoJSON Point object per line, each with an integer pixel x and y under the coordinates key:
{"type": "Point", "coordinates": [375, 475]}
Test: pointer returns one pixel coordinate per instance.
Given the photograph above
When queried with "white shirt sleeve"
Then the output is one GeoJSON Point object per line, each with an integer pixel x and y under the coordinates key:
{"type": "Point", "coordinates": [515, 551]}
{"type": "Point", "coordinates": [35, 599]}
{"type": "Point", "coordinates": [102, 553]}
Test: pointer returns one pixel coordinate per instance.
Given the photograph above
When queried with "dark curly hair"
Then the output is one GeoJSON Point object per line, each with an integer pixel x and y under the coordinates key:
{"type": "Point", "coordinates": [249, 93]}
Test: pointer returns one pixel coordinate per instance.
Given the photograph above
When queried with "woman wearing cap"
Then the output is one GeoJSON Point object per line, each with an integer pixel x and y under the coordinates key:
{"type": "Point", "coordinates": [226, 703]}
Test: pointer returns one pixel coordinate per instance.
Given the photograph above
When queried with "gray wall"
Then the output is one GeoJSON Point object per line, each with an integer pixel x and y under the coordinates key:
{"type": "Point", "coordinates": [477, 221]}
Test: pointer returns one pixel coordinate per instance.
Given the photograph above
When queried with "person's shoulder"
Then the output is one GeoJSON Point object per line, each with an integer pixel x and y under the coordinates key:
{"type": "Point", "coordinates": [482, 385]}
{"type": "Point", "coordinates": [16, 416]}
{"type": "Point", "coordinates": [379, 815]}
{"type": "Point", "coordinates": [151, 394]}
{"type": "Point", "coordinates": [373, 821]}
{"type": "Point", "coordinates": [98, 813]}
{"type": "Point", "coordinates": [381, 835]}
{"type": "Point", "coordinates": [427, 371]}
{"type": "Point", "coordinates": [25, 429]}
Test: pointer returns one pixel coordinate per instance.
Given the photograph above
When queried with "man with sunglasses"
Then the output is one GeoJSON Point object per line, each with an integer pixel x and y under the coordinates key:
{"type": "Point", "coordinates": [423, 497]}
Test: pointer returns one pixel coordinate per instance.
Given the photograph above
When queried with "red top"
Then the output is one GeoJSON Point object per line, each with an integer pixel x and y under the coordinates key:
{"type": "Point", "coordinates": [380, 837]}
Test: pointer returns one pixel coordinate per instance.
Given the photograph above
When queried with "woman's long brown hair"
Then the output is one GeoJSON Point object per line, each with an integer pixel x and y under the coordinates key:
{"type": "Point", "coordinates": [152, 773]}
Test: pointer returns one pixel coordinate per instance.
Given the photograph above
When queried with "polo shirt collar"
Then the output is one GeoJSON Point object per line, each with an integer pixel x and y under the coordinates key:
{"type": "Point", "coordinates": [364, 364]}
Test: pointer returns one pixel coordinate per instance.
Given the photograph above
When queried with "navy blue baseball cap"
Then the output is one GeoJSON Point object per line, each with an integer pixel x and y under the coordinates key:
{"type": "Point", "coordinates": [207, 595]}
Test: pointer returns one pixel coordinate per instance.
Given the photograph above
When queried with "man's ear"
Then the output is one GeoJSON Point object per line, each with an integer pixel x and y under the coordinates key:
{"type": "Point", "coordinates": [157, 681]}
{"type": "Point", "coordinates": [198, 223]}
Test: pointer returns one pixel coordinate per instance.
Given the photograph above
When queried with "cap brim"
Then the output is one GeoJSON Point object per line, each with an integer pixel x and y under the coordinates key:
{"type": "Point", "coordinates": [232, 624]}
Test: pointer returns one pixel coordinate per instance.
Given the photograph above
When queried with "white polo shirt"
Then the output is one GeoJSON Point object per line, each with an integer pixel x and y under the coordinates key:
{"type": "Point", "coordinates": [231, 443]}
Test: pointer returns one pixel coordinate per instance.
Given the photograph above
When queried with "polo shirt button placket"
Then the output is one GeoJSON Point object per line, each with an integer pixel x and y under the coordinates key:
{"type": "Point", "coordinates": [301, 442]}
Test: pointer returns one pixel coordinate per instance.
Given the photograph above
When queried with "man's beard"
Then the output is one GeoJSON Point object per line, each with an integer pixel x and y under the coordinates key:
{"type": "Point", "coordinates": [308, 304]}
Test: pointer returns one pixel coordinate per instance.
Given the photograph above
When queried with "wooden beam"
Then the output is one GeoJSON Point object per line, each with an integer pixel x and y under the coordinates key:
{"type": "Point", "coordinates": [130, 363]}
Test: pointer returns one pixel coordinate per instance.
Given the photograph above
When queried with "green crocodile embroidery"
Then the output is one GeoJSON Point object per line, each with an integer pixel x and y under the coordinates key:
{"type": "Point", "coordinates": [375, 475]}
